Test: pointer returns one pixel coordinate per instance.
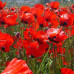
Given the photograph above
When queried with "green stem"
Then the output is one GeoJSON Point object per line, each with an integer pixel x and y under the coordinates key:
{"type": "Point", "coordinates": [43, 60]}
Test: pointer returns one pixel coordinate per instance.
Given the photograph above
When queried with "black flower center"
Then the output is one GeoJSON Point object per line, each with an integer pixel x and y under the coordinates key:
{"type": "Point", "coordinates": [39, 41]}
{"type": "Point", "coordinates": [3, 48]}
{"type": "Point", "coordinates": [46, 49]}
{"type": "Point", "coordinates": [35, 16]}
{"type": "Point", "coordinates": [41, 25]}
{"type": "Point", "coordinates": [26, 22]}
{"type": "Point", "coordinates": [52, 39]}
{"type": "Point", "coordinates": [25, 12]}
{"type": "Point", "coordinates": [2, 23]}
{"type": "Point", "coordinates": [65, 23]}
{"type": "Point", "coordinates": [32, 56]}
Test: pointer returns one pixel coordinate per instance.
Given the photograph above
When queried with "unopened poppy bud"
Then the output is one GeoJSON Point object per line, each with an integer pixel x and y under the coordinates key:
{"type": "Point", "coordinates": [17, 34]}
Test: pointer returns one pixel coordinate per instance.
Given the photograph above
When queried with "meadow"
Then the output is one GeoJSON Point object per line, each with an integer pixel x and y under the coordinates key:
{"type": "Point", "coordinates": [37, 39]}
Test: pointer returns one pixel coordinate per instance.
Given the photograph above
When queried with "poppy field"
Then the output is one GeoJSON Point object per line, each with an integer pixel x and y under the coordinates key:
{"type": "Point", "coordinates": [37, 40]}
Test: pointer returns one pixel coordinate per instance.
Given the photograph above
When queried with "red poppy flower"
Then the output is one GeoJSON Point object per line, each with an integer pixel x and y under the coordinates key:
{"type": "Point", "coordinates": [16, 38]}
{"type": "Point", "coordinates": [47, 4]}
{"type": "Point", "coordinates": [62, 12]}
{"type": "Point", "coordinates": [54, 5]}
{"type": "Point", "coordinates": [32, 49]}
{"type": "Point", "coordinates": [50, 16]}
{"type": "Point", "coordinates": [36, 12]}
{"type": "Point", "coordinates": [17, 67]}
{"type": "Point", "coordinates": [54, 24]}
{"type": "Point", "coordinates": [41, 21]}
{"type": "Point", "coordinates": [66, 71]}
{"type": "Point", "coordinates": [10, 19]}
{"type": "Point", "coordinates": [17, 52]}
{"type": "Point", "coordinates": [43, 48]}
{"type": "Point", "coordinates": [39, 6]}
{"type": "Point", "coordinates": [21, 44]}
{"type": "Point", "coordinates": [58, 50]}
{"type": "Point", "coordinates": [36, 50]}
{"type": "Point", "coordinates": [66, 20]}
{"type": "Point", "coordinates": [2, 16]}
{"type": "Point", "coordinates": [5, 26]}
{"type": "Point", "coordinates": [65, 63]}
{"type": "Point", "coordinates": [1, 19]}
{"type": "Point", "coordinates": [12, 8]}
{"type": "Point", "coordinates": [72, 15]}
{"type": "Point", "coordinates": [58, 45]}
{"type": "Point", "coordinates": [7, 63]}
{"type": "Point", "coordinates": [56, 11]}
{"type": "Point", "coordinates": [72, 7]}
{"type": "Point", "coordinates": [5, 42]}
{"type": "Point", "coordinates": [27, 18]}
{"type": "Point", "coordinates": [25, 9]}
{"type": "Point", "coordinates": [56, 35]}
{"type": "Point", "coordinates": [64, 9]}
{"type": "Point", "coordinates": [35, 25]}
{"type": "Point", "coordinates": [2, 5]}
{"type": "Point", "coordinates": [70, 31]}
{"type": "Point", "coordinates": [38, 60]}
{"type": "Point", "coordinates": [5, 36]}
{"type": "Point", "coordinates": [46, 9]}
{"type": "Point", "coordinates": [39, 36]}
{"type": "Point", "coordinates": [28, 33]}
